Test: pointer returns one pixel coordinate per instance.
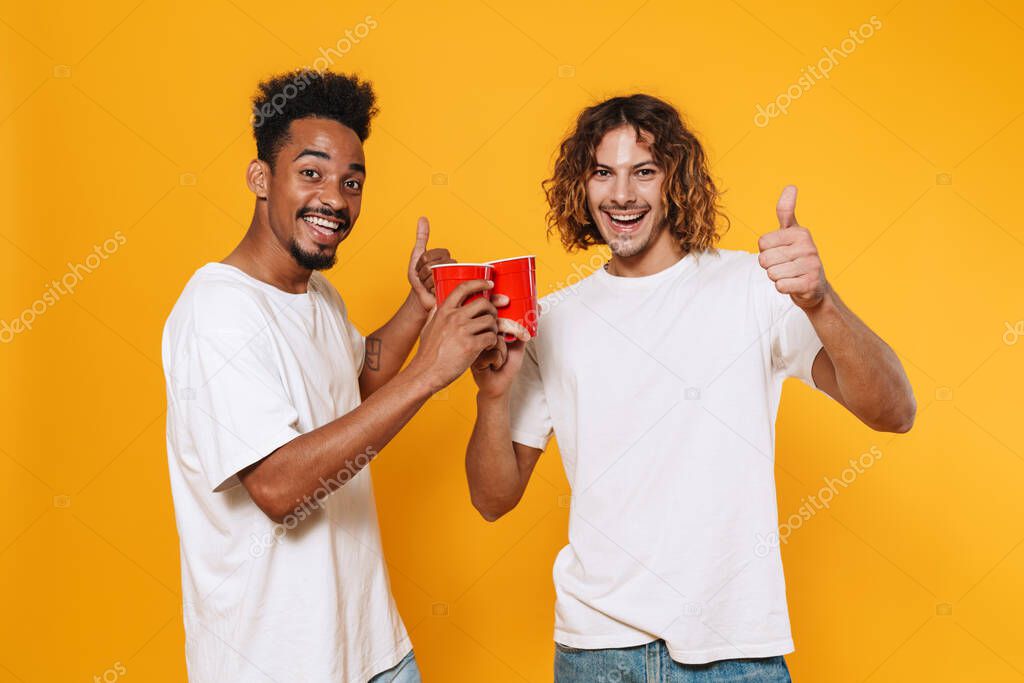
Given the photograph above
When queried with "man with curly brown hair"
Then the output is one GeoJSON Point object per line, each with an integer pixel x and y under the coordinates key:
{"type": "Point", "coordinates": [661, 375]}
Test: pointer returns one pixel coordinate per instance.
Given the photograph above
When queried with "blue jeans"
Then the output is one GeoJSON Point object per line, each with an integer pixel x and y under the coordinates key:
{"type": "Point", "coordinates": [651, 663]}
{"type": "Point", "coordinates": [405, 671]}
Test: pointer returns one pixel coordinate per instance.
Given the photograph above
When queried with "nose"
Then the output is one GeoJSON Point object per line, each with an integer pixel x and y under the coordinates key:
{"type": "Point", "coordinates": [623, 191]}
{"type": "Point", "coordinates": [332, 197]}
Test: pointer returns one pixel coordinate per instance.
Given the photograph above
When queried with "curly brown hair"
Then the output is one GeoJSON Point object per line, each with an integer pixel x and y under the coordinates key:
{"type": "Point", "coordinates": [689, 193]}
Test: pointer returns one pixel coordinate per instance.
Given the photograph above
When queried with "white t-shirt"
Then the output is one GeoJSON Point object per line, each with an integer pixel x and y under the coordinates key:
{"type": "Point", "coordinates": [249, 367]}
{"type": "Point", "coordinates": [662, 392]}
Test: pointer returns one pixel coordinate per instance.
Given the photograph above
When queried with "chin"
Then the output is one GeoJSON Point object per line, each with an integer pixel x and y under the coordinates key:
{"type": "Point", "coordinates": [314, 259]}
{"type": "Point", "coordinates": [630, 246]}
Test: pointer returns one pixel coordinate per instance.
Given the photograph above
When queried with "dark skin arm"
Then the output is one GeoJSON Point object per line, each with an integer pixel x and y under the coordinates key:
{"type": "Point", "coordinates": [388, 347]}
{"type": "Point", "coordinates": [329, 456]}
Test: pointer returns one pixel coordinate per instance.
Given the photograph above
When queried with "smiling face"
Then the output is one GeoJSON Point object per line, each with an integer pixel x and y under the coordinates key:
{"type": "Point", "coordinates": [314, 190]}
{"type": "Point", "coordinates": [624, 192]}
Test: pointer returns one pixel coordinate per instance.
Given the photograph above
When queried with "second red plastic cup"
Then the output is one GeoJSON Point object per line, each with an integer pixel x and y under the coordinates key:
{"type": "Point", "coordinates": [516, 278]}
{"type": "Point", "coordinates": [448, 276]}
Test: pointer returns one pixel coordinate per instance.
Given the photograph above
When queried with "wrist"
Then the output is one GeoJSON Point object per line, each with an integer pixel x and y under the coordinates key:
{"type": "Point", "coordinates": [420, 381]}
{"type": "Point", "coordinates": [828, 305]}
{"type": "Point", "coordinates": [487, 399]}
{"type": "Point", "coordinates": [414, 308]}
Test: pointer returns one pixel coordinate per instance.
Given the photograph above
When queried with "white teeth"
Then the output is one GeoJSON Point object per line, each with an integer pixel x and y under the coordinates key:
{"type": "Point", "coordinates": [626, 216]}
{"type": "Point", "coordinates": [320, 222]}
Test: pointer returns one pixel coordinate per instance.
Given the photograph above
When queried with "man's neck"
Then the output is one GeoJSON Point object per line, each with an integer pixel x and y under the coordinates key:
{"type": "Point", "coordinates": [663, 252]}
{"type": "Point", "coordinates": [261, 256]}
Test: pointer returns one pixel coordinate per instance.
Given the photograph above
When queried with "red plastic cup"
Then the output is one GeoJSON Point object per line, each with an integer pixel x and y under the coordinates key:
{"type": "Point", "coordinates": [448, 276]}
{"type": "Point", "coordinates": [516, 278]}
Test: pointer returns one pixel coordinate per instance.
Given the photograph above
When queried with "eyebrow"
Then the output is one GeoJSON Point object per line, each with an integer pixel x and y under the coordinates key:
{"type": "Point", "coordinates": [324, 155]}
{"type": "Point", "coordinates": [312, 153]}
{"type": "Point", "coordinates": [649, 162]}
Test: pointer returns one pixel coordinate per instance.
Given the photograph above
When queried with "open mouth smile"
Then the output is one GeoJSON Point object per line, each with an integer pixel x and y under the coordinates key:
{"type": "Point", "coordinates": [323, 227]}
{"type": "Point", "coordinates": [626, 221]}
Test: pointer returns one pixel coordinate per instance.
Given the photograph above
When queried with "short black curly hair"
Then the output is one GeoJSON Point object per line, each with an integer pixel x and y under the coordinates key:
{"type": "Point", "coordinates": [298, 94]}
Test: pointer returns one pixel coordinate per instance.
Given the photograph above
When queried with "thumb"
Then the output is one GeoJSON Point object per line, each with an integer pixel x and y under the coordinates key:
{"type": "Point", "coordinates": [422, 235]}
{"type": "Point", "coordinates": [786, 208]}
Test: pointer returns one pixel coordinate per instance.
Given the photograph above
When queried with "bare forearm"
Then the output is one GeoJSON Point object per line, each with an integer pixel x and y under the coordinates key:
{"type": "Point", "coordinates": [492, 469]}
{"type": "Point", "coordinates": [388, 347]}
{"type": "Point", "coordinates": [868, 373]}
{"type": "Point", "coordinates": [320, 461]}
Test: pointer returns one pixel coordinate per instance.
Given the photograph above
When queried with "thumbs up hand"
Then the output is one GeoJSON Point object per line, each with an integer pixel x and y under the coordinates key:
{"type": "Point", "coordinates": [421, 278]}
{"type": "Point", "coordinates": [790, 256]}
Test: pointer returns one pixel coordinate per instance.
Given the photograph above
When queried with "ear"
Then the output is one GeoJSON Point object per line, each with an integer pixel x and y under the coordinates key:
{"type": "Point", "coordinates": [257, 177]}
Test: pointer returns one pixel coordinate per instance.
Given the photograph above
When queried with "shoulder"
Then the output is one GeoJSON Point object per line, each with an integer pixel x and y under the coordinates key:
{"type": "Point", "coordinates": [728, 263]}
{"type": "Point", "coordinates": [747, 270]}
{"type": "Point", "coordinates": [324, 288]}
{"type": "Point", "coordinates": [566, 293]}
{"type": "Point", "coordinates": [737, 273]}
{"type": "Point", "coordinates": [216, 300]}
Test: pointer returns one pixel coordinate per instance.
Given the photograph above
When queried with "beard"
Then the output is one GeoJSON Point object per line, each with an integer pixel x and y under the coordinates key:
{"type": "Point", "coordinates": [631, 245]}
{"type": "Point", "coordinates": [312, 260]}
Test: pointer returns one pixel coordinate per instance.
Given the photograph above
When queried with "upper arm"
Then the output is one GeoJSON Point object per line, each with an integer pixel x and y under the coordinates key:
{"type": "Point", "coordinates": [823, 372]}
{"type": "Point", "coordinates": [369, 375]}
{"type": "Point", "coordinates": [257, 479]}
{"type": "Point", "coordinates": [530, 420]}
{"type": "Point", "coordinates": [526, 460]}
{"type": "Point", "coordinates": [235, 406]}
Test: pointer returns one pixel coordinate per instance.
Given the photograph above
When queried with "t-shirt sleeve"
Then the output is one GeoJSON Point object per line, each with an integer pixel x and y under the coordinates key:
{"type": "Point", "coordinates": [238, 410]}
{"type": "Point", "coordinates": [529, 415]}
{"type": "Point", "coordinates": [230, 392]}
{"type": "Point", "coordinates": [794, 343]}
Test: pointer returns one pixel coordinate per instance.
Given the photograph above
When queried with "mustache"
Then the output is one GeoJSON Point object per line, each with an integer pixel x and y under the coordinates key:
{"type": "Point", "coordinates": [628, 207]}
{"type": "Point", "coordinates": [341, 216]}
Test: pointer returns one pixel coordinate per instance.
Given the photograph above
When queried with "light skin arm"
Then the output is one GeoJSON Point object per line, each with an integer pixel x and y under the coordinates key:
{"type": "Point", "coordinates": [855, 366]}
{"type": "Point", "coordinates": [869, 381]}
{"type": "Point", "coordinates": [325, 458]}
{"type": "Point", "coordinates": [497, 468]}
{"type": "Point", "coordinates": [388, 347]}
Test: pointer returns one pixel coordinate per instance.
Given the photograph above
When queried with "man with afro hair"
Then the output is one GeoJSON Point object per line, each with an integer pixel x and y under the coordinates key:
{"type": "Point", "coordinates": [276, 404]}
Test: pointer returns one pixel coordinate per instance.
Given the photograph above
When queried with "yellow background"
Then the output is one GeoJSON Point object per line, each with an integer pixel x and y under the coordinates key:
{"type": "Point", "coordinates": [133, 117]}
